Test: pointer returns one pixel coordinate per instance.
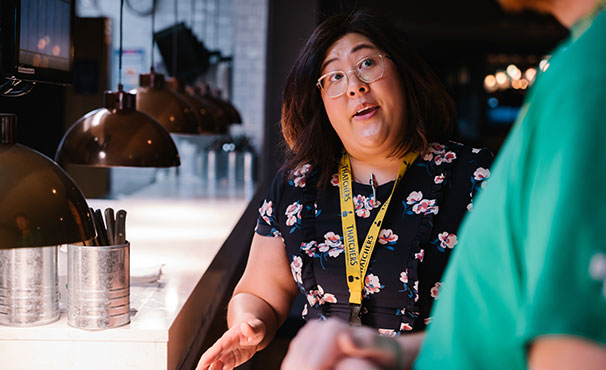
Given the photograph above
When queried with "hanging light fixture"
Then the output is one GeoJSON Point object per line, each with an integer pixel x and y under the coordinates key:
{"type": "Point", "coordinates": [202, 111]}
{"type": "Point", "coordinates": [118, 134]}
{"type": "Point", "coordinates": [40, 205]}
{"type": "Point", "coordinates": [166, 106]}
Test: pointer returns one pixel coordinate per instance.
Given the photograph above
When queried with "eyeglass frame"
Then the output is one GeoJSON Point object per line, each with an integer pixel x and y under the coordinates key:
{"type": "Point", "coordinates": [383, 56]}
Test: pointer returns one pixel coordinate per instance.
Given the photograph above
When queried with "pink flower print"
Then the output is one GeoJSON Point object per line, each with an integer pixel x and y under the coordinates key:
{"type": "Point", "coordinates": [387, 236]}
{"type": "Point", "coordinates": [309, 248]}
{"type": "Point", "coordinates": [336, 250]}
{"type": "Point", "coordinates": [469, 206]}
{"type": "Point", "coordinates": [332, 238]}
{"type": "Point", "coordinates": [435, 291]}
{"type": "Point", "coordinates": [329, 298]}
{"type": "Point", "coordinates": [475, 150]}
{"type": "Point", "coordinates": [334, 180]}
{"type": "Point", "coordinates": [419, 256]}
{"type": "Point", "coordinates": [304, 312]}
{"type": "Point", "coordinates": [427, 321]}
{"type": "Point", "coordinates": [299, 175]}
{"type": "Point", "coordinates": [404, 276]}
{"type": "Point", "coordinates": [405, 326]}
{"type": "Point", "coordinates": [372, 203]}
{"type": "Point", "coordinates": [303, 170]}
{"type": "Point", "coordinates": [387, 332]}
{"type": "Point", "coordinates": [318, 296]}
{"type": "Point", "coordinates": [266, 211]}
{"type": "Point", "coordinates": [425, 206]}
{"type": "Point", "coordinates": [299, 181]}
{"type": "Point", "coordinates": [414, 197]}
{"type": "Point", "coordinates": [447, 240]}
{"type": "Point", "coordinates": [439, 179]}
{"type": "Point", "coordinates": [427, 156]}
{"type": "Point", "coordinates": [295, 268]}
{"type": "Point", "coordinates": [372, 284]}
{"type": "Point", "coordinates": [360, 206]}
{"type": "Point", "coordinates": [481, 174]}
{"type": "Point", "coordinates": [293, 213]}
{"type": "Point", "coordinates": [436, 148]}
{"type": "Point", "coordinates": [449, 157]}
{"type": "Point", "coordinates": [416, 289]}
{"type": "Point", "coordinates": [332, 244]}
{"type": "Point", "coordinates": [445, 158]}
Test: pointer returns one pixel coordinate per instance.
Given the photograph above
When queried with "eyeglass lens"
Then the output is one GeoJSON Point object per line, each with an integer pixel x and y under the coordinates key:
{"type": "Point", "coordinates": [367, 70]}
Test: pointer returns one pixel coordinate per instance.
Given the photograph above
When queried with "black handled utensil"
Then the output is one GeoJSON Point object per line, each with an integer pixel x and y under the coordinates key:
{"type": "Point", "coordinates": [101, 232]}
{"type": "Point", "coordinates": [120, 230]}
{"type": "Point", "coordinates": [110, 222]}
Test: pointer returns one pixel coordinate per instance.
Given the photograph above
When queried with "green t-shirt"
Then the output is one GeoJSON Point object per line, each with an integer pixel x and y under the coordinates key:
{"type": "Point", "coordinates": [531, 258]}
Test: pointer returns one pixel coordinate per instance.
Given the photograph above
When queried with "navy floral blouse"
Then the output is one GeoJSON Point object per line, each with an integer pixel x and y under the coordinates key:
{"type": "Point", "coordinates": [418, 234]}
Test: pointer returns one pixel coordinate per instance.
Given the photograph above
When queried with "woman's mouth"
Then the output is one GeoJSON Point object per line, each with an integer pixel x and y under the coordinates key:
{"type": "Point", "coordinates": [365, 113]}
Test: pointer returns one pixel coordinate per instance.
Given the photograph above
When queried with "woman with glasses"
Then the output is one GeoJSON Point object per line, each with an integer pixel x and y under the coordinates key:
{"type": "Point", "coordinates": [364, 214]}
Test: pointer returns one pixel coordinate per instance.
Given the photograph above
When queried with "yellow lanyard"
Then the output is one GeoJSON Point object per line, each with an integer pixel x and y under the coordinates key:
{"type": "Point", "coordinates": [356, 263]}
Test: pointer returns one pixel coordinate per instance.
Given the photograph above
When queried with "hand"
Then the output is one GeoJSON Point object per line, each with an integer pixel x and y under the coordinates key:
{"type": "Point", "coordinates": [315, 346]}
{"type": "Point", "coordinates": [332, 344]}
{"type": "Point", "coordinates": [236, 346]}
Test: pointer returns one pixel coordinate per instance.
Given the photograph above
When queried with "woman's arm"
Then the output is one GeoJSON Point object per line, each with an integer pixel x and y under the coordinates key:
{"type": "Point", "coordinates": [260, 304]}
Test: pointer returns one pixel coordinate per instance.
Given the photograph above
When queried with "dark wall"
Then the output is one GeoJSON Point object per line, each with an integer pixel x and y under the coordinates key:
{"type": "Point", "coordinates": [289, 25]}
{"type": "Point", "coordinates": [40, 117]}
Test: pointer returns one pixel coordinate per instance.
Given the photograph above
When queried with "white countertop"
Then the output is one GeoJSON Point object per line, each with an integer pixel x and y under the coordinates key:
{"type": "Point", "coordinates": [179, 235]}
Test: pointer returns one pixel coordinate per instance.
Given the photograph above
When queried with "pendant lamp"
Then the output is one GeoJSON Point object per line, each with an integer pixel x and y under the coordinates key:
{"type": "Point", "coordinates": [166, 106]}
{"type": "Point", "coordinates": [218, 110]}
{"type": "Point", "coordinates": [118, 134]}
{"type": "Point", "coordinates": [201, 110]}
{"type": "Point", "coordinates": [40, 205]}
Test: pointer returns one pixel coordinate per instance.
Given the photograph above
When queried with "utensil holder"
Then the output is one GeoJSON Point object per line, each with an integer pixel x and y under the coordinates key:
{"type": "Point", "coordinates": [29, 291]}
{"type": "Point", "coordinates": [98, 286]}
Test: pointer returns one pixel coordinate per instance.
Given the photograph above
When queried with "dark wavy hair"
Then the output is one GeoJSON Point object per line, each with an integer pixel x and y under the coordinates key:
{"type": "Point", "coordinates": [308, 134]}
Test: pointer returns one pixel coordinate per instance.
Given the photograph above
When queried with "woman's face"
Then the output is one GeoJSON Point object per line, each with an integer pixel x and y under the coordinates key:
{"type": "Point", "coordinates": [368, 117]}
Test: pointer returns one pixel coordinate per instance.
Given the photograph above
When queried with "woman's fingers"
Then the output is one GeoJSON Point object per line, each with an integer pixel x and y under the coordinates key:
{"type": "Point", "coordinates": [236, 346]}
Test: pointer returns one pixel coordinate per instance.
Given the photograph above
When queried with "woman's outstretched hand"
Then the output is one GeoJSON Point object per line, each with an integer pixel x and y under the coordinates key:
{"type": "Point", "coordinates": [236, 346]}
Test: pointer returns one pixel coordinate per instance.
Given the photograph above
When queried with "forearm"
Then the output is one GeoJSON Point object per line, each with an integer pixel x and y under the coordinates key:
{"type": "Point", "coordinates": [244, 306]}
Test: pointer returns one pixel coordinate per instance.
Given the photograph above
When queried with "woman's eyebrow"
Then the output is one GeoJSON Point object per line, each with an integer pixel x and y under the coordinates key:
{"type": "Point", "coordinates": [353, 50]}
{"type": "Point", "coordinates": [362, 46]}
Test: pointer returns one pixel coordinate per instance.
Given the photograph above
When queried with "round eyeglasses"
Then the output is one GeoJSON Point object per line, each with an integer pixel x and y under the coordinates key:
{"type": "Point", "coordinates": [368, 69]}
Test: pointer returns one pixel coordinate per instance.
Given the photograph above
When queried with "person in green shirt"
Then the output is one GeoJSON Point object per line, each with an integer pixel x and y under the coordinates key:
{"type": "Point", "coordinates": [525, 287]}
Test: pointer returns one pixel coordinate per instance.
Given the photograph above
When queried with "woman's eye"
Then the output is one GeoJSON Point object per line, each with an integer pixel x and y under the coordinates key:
{"type": "Point", "coordinates": [336, 77]}
{"type": "Point", "coordinates": [367, 63]}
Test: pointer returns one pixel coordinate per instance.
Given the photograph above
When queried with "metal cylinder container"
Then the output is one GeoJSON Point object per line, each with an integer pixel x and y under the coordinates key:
{"type": "Point", "coordinates": [29, 292]}
{"type": "Point", "coordinates": [98, 286]}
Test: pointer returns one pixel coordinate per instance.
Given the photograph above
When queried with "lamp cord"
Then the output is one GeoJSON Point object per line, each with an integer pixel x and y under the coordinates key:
{"type": "Point", "coordinates": [120, 59]}
{"type": "Point", "coordinates": [153, 38]}
{"type": "Point", "coordinates": [175, 40]}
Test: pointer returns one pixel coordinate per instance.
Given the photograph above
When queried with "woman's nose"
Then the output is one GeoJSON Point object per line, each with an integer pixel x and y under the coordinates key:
{"type": "Point", "coordinates": [356, 86]}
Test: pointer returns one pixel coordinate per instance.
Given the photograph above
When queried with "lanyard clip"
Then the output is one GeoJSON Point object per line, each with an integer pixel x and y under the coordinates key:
{"type": "Point", "coordinates": [354, 314]}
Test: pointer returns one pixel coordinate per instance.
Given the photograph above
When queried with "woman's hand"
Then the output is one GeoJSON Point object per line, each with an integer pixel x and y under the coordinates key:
{"type": "Point", "coordinates": [333, 344]}
{"type": "Point", "coordinates": [236, 346]}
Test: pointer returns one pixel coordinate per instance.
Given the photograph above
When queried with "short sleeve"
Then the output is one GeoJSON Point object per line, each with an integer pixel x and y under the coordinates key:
{"type": "Point", "coordinates": [566, 251]}
{"type": "Point", "coordinates": [268, 223]}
